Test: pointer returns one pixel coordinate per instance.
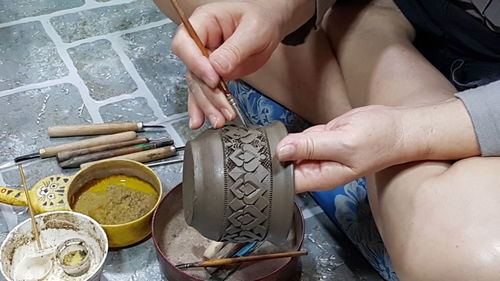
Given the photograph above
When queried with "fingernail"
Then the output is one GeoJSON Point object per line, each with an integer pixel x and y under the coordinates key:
{"type": "Point", "coordinates": [190, 124]}
{"type": "Point", "coordinates": [214, 120]}
{"type": "Point", "coordinates": [286, 151]}
{"type": "Point", "coordinates": [227, 114]}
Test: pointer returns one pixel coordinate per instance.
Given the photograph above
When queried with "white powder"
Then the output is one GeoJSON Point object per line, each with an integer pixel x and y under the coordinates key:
{"type": "Point", "coordinates": [51, 238]}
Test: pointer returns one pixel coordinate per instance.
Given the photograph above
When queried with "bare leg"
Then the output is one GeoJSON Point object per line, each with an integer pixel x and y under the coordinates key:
{"type": "Point", "coordinates": [434, 217]}
{"type": "Point", "coordinates": [437, 219]}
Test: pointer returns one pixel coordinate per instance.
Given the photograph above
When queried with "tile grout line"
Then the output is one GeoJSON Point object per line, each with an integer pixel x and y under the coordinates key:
{"type": "Point", "coordinates": [142, 88]}
{"type": "Point", "coordinates": [38, 85]}
{"type": "Point", "coordinates": [87, 6]}
{"type": "Point", "coordinates": [178, 141]}
{"type": "Point", "coordinates": [77, 81]}
{"type": "Point", "coordinates": [77, 43]}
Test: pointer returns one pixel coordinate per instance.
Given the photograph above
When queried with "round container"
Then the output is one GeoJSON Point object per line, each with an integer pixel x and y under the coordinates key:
{"type": "Point", "coordinates": [69, 247]}
{"type": "Point", "coordinates": [124, 234]}
{"type": "Point", "coordinates": [55, 229]}
{"type": "Point", "coordinates": [176, 242]}
{"type": "Point", "coordinates": [235, 189]}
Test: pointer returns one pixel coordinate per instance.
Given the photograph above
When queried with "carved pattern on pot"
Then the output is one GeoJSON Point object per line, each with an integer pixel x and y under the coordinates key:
{"type": "Point", "coordinates": [247, 184]}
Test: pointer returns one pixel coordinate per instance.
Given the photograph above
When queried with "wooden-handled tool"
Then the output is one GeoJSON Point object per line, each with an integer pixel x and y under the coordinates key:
{"type": "Point", "coordinates": [65, 155]}
{"type": "Point", "coordinates": [97, 129]}
{"type": "Point", "coordinates": [75, 162]}
{"type": "Point", "coordinates": [212, 263]}
{"type": "Point", "coordinates": [222, 85]}
{"type": "Point", "coordinates": [53, 150]}
{"type": "Point", "coordinates": [145, 156]}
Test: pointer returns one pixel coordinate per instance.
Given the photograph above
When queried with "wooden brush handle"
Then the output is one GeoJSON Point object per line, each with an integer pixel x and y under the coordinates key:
{"type": "Point", "coordinates": [251, 258]}
{"type": "Point", "coordinates": [143, 156]}
{"type": "Point", "coordinates": [65, 155]}
{"type": "Point", "coordinates": [93, 129]}
{"type": "Point", "coordinates": [53, 150]}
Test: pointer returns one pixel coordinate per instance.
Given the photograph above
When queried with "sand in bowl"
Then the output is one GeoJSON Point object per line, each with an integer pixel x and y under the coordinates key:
{"type": "Point", "coordinates": [116, 199]}
{"type": "Point", "coordinates": [183, 244]}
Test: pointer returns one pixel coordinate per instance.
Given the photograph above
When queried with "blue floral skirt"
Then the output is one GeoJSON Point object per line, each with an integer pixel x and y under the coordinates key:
{"type": "Point", "coordinates": [347, 206]}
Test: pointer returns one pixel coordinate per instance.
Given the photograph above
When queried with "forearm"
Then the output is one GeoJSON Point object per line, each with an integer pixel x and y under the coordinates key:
{"type": "Point", "coordinates": [436, 132]}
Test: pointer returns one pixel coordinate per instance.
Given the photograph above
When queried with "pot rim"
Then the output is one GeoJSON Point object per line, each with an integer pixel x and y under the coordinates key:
{"type": "Point", "coordinates": [183, 273]}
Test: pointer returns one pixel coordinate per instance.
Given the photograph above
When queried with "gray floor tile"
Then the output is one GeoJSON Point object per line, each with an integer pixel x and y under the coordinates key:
{"type": "Point", "coordinates": [27, 55]}
{"type": "Point", "coordinates": [162, 72]}
{"type": "Point", "coordinates": [129, 110]}
{"type": "Point", "coordinates": [26, 116]}
{"type": "Point", "coordinates": [102, 20]}
{"type": "Point", "coordinates": [14, 10]}
{"type": "Point", "coordinates": [102, 70]}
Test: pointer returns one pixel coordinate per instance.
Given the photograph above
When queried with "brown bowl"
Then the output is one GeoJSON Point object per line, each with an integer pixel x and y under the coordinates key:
{"type": "Point", "coordinates": [235, 189]}
{"type": "Point", "coordinates": [176, 242]}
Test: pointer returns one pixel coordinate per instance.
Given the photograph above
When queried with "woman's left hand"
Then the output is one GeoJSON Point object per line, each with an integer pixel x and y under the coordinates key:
{"type": "Point", "coordinates": [368, 139]}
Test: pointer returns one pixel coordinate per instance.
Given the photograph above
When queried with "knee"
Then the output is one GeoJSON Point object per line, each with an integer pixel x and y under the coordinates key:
{"type": "Point", "coordinates": [364, 21]}
{"type": "Point", "coordinates": [459, 261]}
{"type": "Point", "coordinates": [452, 235]}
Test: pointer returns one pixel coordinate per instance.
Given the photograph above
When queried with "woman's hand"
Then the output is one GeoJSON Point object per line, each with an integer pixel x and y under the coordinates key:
{"type": "Point", "coordinates": [368, 139]}
{"type": "Point", "coordinates": [240, 36]}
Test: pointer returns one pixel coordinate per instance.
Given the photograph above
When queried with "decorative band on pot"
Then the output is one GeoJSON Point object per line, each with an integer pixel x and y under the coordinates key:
{"type": "Point", "coordinates": [234, 188]}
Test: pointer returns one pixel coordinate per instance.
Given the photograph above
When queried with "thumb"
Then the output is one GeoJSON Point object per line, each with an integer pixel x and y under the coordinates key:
{"type": "Point", "coordinates": [315, 145]}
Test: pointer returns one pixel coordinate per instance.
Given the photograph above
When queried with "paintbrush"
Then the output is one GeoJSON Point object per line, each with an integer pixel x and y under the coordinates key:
{"type": "Point", "coordinates": [222, 85]}
{"type": "Point", "coordinates": [212, 263]}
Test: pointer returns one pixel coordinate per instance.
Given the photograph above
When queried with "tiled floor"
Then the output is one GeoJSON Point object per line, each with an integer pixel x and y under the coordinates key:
{"type": "Point", "coordinates": [81, 61]}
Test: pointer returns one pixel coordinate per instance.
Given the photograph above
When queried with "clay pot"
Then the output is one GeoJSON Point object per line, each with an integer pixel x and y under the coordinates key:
{"type": "Point", "coordinates": [234, 188]}
{"type": "Point", "coordinates": [175, 244]}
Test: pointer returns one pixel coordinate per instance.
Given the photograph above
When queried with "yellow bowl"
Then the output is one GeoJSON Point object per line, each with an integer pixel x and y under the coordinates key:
{"type": "Point", "coordinates": [125, 234]}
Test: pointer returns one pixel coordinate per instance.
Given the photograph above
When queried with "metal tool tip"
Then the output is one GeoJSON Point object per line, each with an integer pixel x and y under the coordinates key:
{"type": "Point", "coordinates": [26, 157]}
{"type": "Point", "coordinates": [184, 265]}
{"type": "Point", "coordinates": [154, 126]}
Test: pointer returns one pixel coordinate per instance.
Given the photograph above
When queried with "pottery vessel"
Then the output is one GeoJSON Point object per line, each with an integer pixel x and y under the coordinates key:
{"type": "Point", "coordinates": [234, 188]}
{"type": "Point", "coordinates": [66, 225]}
{"type": "Point", "coordinates": [167, 231]}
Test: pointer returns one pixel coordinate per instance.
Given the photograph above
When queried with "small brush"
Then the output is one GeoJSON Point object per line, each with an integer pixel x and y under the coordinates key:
{"type": "Point", "coordinates": [212, 263]}
{"type": "Point", "coordinates": [222, 85]}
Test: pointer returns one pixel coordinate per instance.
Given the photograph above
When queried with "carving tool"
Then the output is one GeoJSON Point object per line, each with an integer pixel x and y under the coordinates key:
{"type": "Point", "coordinates": [53, 150]}
{"type": "Point", "coordinates": [222, 85]}
{"type": "Point", "coordinates": [98, 129]}
{"type": "Point", "coordinates": [145, 156]}
{"type": "Point", "coordinates": [65, 155]}
{"type": "Point", "coordinates": [75, 162]}
{"type": "Point", "coordinates": [166, 162]}
{"type": "Point", "coordinates": [212, 263]}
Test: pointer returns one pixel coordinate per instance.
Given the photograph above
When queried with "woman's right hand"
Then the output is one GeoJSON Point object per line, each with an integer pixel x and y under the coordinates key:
{"type": "Point", "coordinates": [240, 37]}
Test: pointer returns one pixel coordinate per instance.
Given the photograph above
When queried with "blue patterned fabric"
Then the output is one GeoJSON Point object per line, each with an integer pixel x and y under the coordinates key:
{"type": "Point", "coordinates": [347, 206]}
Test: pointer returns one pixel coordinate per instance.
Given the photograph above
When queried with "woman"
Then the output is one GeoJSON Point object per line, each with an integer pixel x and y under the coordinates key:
{"type": "Point", "coordinates": [386, 110]}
